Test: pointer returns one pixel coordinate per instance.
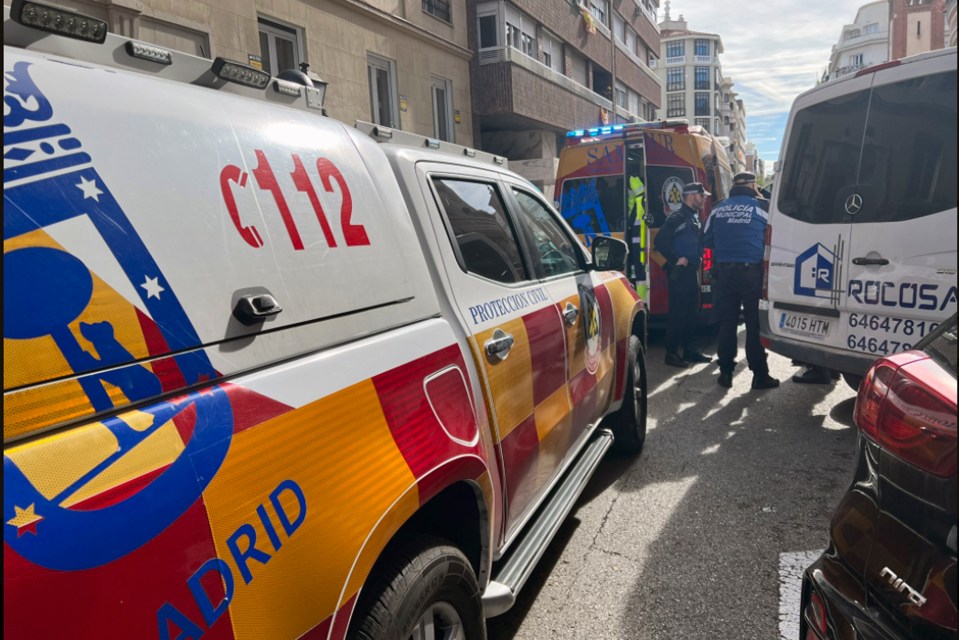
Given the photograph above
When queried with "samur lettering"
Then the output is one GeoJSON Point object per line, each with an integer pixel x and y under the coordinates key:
{"type": "Point", "coordinates": [506, 305]}
{"type": "Point", "coordinates": [288, 506]}
{"type": "Point", "coordinates": [232, 177]}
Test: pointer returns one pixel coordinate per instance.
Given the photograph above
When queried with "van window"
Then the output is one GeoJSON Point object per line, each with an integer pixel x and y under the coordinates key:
{"type": "Point", "coordinates": [482, 233]}
{"type": "Point", "coordinates": [554, 253]}
{"type": "Point", "coordinates": [909, 153]}
{"type": "Point", "coordinates": [822, 157]}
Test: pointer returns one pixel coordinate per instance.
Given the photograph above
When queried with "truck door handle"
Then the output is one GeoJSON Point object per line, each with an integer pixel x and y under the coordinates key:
{"type": "Point", "coordinates": [571, 313]}
{"type": "Point", "coordinates": [867, 261]}
{"type": "Point", "coordinates": [499, 345]}
{"type": "Point", "coordinates": [253, 308]}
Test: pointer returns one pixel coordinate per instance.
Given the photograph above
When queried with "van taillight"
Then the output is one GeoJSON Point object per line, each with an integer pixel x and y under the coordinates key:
{"type": "Point", "coordinates": [911, 412]}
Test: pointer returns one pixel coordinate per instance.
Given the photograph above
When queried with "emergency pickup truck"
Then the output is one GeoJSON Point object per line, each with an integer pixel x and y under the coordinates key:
{"type": "Point", "coordinates": [269, 375]}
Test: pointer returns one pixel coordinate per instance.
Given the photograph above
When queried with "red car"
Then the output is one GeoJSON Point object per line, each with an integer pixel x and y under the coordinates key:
{"type": "Point", "coordinates": [890, 569]}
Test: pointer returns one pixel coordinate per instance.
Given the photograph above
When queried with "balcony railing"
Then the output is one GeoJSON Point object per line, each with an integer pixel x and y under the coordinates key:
{"type": "Point", "coordinates": [517, 57]}
{"type": "Point", "coordinates": [706, 59]}
{"type": "Point", "coordinates": [676, 60]}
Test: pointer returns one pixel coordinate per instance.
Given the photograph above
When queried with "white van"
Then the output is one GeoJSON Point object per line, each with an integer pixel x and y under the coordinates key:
{"type": "Point", "coordinates": [861, 255]}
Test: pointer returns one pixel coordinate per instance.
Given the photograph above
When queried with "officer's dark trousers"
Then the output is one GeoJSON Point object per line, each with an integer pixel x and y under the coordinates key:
{"type": "Point", "coordinates": [735, 287]}
{"type": "Point", "coordinates": [683, 288]}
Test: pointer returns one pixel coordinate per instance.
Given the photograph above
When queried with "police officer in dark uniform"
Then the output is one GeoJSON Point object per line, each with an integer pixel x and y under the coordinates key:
{"type": "Point", "coordinates": [680, 240]}
{"type": "Point", "coordinates": [736, 231]}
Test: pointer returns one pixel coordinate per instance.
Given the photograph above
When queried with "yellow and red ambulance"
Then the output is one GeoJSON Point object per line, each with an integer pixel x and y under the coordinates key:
{"type": "Point", "coordinates": [267, 375]}
{"type": "Point", "coordinates": [624, 180]}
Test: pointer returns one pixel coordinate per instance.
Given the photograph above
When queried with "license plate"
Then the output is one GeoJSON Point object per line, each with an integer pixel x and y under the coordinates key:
{"type": "Point", "coordinates": [802, 324]}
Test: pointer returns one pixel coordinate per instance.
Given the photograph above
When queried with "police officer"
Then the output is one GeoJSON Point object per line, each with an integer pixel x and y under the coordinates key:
{"type": "Point", "coordinates": [680, 240]}
{"type": "Point", "coordinates": [736, 231]}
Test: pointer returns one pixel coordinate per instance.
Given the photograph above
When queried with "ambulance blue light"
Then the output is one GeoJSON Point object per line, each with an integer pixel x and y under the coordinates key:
{"type": "Point", "coordinates": [617, 127]}
{"type": "Point", "coordinates": [593, 132]}
{"type": "Point", "coordinates": [576, 133]}
{"type": "Point", "coordinates": [605, 129]}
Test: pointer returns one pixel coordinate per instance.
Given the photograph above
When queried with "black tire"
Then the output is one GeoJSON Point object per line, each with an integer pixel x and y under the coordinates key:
{"type": "Point", "coordinates": [852, 380]}
{"type": "Point", "coordinates": [421, 578]}
{"type": "Point", "coordinates": [629, 422]}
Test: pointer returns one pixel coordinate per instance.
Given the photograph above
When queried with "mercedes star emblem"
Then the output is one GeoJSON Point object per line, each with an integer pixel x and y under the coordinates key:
{"type": "Point", "coordinates": [854, 204]}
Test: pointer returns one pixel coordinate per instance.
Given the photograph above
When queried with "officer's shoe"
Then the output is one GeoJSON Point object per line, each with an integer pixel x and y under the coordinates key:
{"type": "Point", "coordinates": [764, 381]}
{"type": "Point", "coordinates": [725, 379]}
{"type": "Point", "coordinates": [696, 358]}
{"type": "Point", "coordinates": [813, 375]}
{"type": "Point", "coordinates": [674, 360]}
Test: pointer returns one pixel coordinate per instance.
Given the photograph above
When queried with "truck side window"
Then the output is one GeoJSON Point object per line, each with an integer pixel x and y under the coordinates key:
{"type": "Point", "coordinates": [482, 233]}
{"type": "Point", "coordinates": [553, 251]}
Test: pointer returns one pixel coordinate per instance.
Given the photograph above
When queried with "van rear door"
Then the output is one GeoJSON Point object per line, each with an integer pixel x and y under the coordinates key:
{"type": "Point", "coordinates": [902, 246]}
{"type": "Point", "coordinates": [809, 251]}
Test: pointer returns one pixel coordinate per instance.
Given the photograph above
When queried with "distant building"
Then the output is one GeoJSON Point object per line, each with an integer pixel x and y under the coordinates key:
{"type": "Point", "coordinates": [863, 43]}
{"type": "Point", "coordinates": [916, 26]}
{"type": "Point", "coordinates": [693, 86]}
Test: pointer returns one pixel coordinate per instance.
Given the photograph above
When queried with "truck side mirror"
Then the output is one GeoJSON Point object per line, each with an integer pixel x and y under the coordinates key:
{"type": "Point", "coordinates": [609, 254]}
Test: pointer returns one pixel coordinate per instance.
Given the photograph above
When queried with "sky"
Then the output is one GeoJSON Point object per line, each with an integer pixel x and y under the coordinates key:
{"type": "Point", "coordinates": [773, 50]}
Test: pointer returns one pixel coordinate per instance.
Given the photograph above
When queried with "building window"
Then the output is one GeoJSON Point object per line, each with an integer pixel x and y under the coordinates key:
{"type": "Point", "coordinates": [552, 50]}
{"type": "Point", "coordinates": [383, 104]}
{"type": "Point", "coordinates": [676, 49]}
{"type": "Point", "coordinates": [702, 47]}
{"type": "Point", "coordinates": [442, 110]}
{"type": "Point", "coordinates": [704, 123]}
{"type": "Point", "coordinates": [438, 9]}
{"type": "Point", "coordinates": [619, 27]}
{"type": "Point", "coordinates": [622, 99]}
{"type": "Point", "coordinates": [855, 60]}
{"type": "Point", "coordinates": [702, 78]}
{"type": "Point", "coordinates": [675, 105]}
{"type": "Point", "coordinates": [702, 103]}
{"type": "Point", "coordinates": [520, 32]}
{"type": "Point", "coordinates": [871, 28]}
{"type": "Point", "coordinates": [675, 79]}
{"type": "Point", "coordinates": [279, 47]}
{"type": "Point", "coordinates": [631, 41]}
{"type": "Point", "coordinates": [488, 31]}
{"type": "Point", "coordinates": [600, 10]}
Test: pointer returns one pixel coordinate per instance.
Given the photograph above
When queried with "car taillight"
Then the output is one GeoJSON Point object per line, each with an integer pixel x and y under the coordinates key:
{"type": "Point", "coordinates": [910, 410]}
{"type": "Point", "coordinates": [815, 615]}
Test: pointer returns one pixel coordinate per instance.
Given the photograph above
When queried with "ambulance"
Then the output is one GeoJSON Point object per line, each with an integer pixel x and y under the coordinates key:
{"type": "Point", "coordinates": [609, 177]}
{"type": "Point", "coordinates": [861, 243]}
{"type": "Point", "coordinates": [270, 375]}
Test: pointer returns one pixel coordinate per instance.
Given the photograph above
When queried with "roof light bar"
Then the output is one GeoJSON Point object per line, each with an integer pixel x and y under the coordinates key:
{"type": "Point", "coordinates": [240, 73]}
{"type": "Point", "coordinates": [58, 21]}
{"type": "Point", "coordinates": [149, 52]}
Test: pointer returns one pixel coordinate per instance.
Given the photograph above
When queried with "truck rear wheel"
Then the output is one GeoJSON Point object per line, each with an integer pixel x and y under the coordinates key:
{"type": "Point", "coordinates": [425, 589]}
{"type": "Point", "coordinates": [629, 422]}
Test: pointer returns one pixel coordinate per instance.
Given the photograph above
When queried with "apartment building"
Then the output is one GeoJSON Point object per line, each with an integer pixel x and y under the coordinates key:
{"type": "Point", "coordinates": [401, 63]}
{"type": "Point", "coordinates": [862, 43]}
{"type": "Point", "coordinates": [544, 67]}
{"type": "Point", "coordinates": [693, 86]}
{"type": "Point", "coordinates": [916, 26]}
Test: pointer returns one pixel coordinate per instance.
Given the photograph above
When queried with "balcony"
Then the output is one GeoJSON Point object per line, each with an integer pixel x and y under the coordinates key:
{"type": "Point", "coordinates": [676, 60]}
{"type": "Point", "coordinates": [705, 59]}
{"type": "Point", "coordinates": [537, 68]}
{"type": "Point", "coordinates": [637, 61]}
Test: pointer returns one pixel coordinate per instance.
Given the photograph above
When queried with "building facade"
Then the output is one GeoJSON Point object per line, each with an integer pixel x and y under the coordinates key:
{"type": "Point", "coordinates": [862, 43]}
{"type": "Point", "coordinates": [916, 26]}
{"type": "Point", "coordinates": [694, 88]}
{"type": "Point", "coordinates": [951, 23]}
{"type": "Point", "coordinates": [544, 67]}
{"type": "Point", "coordinates": [401, 63]}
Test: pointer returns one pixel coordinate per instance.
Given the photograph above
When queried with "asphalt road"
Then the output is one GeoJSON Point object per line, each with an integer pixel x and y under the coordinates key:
{"type": "Point", "coordinates": [687, 540]}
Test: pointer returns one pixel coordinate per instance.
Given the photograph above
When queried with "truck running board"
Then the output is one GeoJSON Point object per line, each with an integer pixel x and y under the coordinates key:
{"type": "Point", "coordinates": [510, 577]}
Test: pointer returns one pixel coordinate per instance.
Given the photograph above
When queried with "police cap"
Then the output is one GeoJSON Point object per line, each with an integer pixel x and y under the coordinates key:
{"type": "Point", "coordinates": [744, 178]}
{"type": "Point", "coordinates": [695, 187]}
